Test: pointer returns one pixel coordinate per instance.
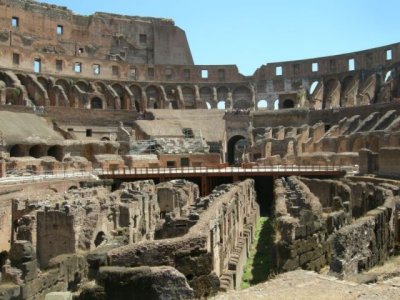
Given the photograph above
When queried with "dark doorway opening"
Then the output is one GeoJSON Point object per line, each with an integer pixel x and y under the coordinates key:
{"type": "Point", "coordinates": [235, 149]}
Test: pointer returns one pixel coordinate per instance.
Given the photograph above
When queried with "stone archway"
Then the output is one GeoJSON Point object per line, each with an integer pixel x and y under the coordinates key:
{"type": "Point", "coordinates": [38, 151]}
{"type": "Point", "coordinates": [234, 155]}
{"type": "Point", "coordinates": [96, 103]}
{"type": "Point", "coordinates": [56, 151]}
{"type": "Point", "coordinates": [17, 151]}
{"type": "Point", "coordinates": [288, 103]}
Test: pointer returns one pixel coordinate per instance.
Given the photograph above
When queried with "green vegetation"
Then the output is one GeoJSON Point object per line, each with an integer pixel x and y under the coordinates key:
{"type": "Point", "coordinates": [259, 265]}
{"type": "Point", "coordinates": [17, 91]}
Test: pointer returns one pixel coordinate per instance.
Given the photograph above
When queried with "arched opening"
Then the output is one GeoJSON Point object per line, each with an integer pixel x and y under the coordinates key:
{"type": "Point", "coordinates": [72, 188]}
{"type": "Point", "coordinates": [242, 98]}
{"type": "Point", "coordinates": [262, 104]}
{"type": "Point", "coordinates": [348, 92]}
{"type": "Point", "coordinates": [105, 139]}
{"type": "Point", "coordinates": [56, 152]}
{"type": "Point", "coordinates": [37, 151]}
{"type": "Point", "coordinates": [331, 94]}
{"type": "Point", "coordinates": [137, 96]}
{"type": "Point", "coordinates": [96, 103]}
{"type": "Point", "coordinates": [313, 87]}
{"type": "Point", "coordinates": [206, 95]}
{"type": "Point", "coordinates": [236, 147]}
{"type": "Point", "coordinates": [44, 82]}
{"type": "Point", "coordinates": [83, 85]}
{"type": "Point", "coordinates": [153, 97]}
{"type": "Point", "coordinates": [222, 96]}
{"type": "Point", "coordinates": [100, 239]}
{"type": "Point", "coordinates": [189, 97]}
{"type": "Point", "coordinates": [17, 151]}
{"type": "Point", "coordinates": [172, 96]}
{"type": "Point", "coordinates": [221, 105]}
{"type": "Point", "coordinates": [124, 101]}
{"type": "Point", "coordinates": [276, 104]}
{"type": "Point", "coordinates": [64, 84]}
{"type": "Point", "coordinates": [6, 78]}
{"type": "Point", "coordinates": [288, 103]}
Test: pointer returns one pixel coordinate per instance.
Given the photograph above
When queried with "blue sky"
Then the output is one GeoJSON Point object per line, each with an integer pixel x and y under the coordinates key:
{"type": "Point", "coordinates": [254, 32]}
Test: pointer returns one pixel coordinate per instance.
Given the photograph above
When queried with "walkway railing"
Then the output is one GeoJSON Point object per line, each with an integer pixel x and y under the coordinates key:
{"type": "Point", "coordinates": [228, 170]}
{"type": "Point", "coordinates": [62, 175]}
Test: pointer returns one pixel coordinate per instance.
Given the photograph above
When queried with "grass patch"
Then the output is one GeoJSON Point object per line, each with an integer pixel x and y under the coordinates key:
{"type": "Point", "coordinates": [259, 264]}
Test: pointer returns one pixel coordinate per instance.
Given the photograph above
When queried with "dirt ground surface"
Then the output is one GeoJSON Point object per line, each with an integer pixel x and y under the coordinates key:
{"type": "Point", "coordinates": [384, 283]}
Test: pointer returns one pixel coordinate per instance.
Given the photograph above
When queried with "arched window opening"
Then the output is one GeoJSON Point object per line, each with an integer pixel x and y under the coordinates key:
{"type": "Point", "coordinates": [221, 105]}
{"type": "Point", "coordinates": [96, 103]}
{"type": "Point", "coordinates": [262, 104]}
{"type": "Point", "coordinates": [313, 87]}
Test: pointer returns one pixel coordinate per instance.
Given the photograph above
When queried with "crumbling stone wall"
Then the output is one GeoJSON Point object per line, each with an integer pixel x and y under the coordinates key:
{"type": "Point", "coordinates": [368, 242]}
{"type": "Point", "coordinates": [217, 245]}
{"type": "Point", "coordinates": [327, 143]}
{"type": "Point", "coordinates": [21, 280]}
{"type": "Point", "coordinates": [66, 224]}
{"type": "Point", "coordinates": [325, 233]}
{"type": "Point", "coordinates": [300, 227]}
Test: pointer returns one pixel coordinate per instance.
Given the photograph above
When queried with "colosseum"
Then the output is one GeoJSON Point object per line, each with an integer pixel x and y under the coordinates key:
{"type": "Point", "coordinates": [129, 172]}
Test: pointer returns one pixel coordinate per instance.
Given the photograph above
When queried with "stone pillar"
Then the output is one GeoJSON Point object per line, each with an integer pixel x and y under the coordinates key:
{"type": "Point", "coordinates": [198, 103]}
{"type": "Point", "coordinates": [229, 101]}
{"type": "Point", "coordinates": [144, 101]}
{"type": "Point", "coordinates": [253, 97]}
{"type": "Point", "coordinates": [2, 94]}
{"type": "Point", "coordinates": [164, 98]}
{"type": "Point", "coordinates": [214, 98]}
{"type": "Point", "coordinates": [270, 104]}
{"type": "Point", "coordinates": [2, 167]}
{"type": "Point", "coordinates": [181, 103]}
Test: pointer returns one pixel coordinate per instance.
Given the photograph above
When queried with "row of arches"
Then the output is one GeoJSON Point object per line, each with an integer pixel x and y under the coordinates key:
{"type": "Point", "coordinates": [138, 97]}
{"type": "Point", "coordinates": [37, 151]}
{"type": "Point", "coordinates": [324, 94]}
{"type": "Point", "coordinates": [275, 104]}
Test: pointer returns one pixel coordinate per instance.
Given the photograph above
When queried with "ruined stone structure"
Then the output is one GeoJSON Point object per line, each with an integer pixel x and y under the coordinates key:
{"type": "Point", "coordinates": [315, 227]}
{"type": "Point", "coordinates": [52, 236]}
{"type": "Point", "coordinates": [110, 94]}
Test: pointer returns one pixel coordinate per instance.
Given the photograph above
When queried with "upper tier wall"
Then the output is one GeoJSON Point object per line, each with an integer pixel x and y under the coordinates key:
{"type": "Point", "coordinates": [52, 41]}
{"type": "Point", "coordinates": [51, 29]}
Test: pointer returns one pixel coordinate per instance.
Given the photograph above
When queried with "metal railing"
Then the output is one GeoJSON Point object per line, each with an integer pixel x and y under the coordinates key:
{"type": "Point", "coordinates": [225, 170]}
{"type": "Point", "coordinates": [62, 175]}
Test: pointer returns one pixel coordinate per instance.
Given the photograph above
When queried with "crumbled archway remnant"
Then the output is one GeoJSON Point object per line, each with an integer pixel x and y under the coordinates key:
{"type": "Point", "coordinates": [119, 283]}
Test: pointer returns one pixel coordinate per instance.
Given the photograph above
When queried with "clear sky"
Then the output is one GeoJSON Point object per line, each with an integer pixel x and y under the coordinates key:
{"type": "Point", "coordinates": [254, 32]}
